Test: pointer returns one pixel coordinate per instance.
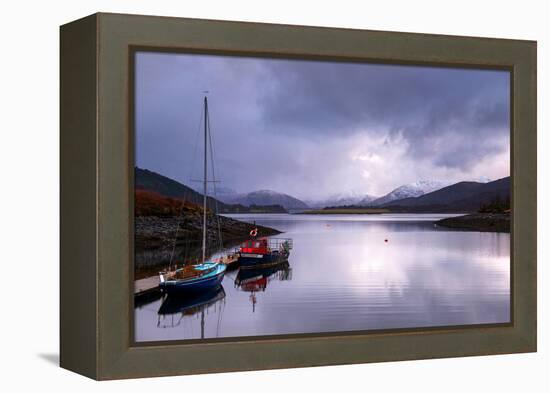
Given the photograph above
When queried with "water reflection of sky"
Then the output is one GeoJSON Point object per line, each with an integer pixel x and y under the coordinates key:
{"type": "Point", "coordinates": [346, 276]}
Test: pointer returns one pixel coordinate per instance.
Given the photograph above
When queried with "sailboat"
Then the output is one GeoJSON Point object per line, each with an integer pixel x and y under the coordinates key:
{"type": "Point", "coordinates": [207, 275]}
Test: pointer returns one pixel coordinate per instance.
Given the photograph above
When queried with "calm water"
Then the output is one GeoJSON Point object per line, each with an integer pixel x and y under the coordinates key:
{"type": "Point", "coordinates": [342, 275]}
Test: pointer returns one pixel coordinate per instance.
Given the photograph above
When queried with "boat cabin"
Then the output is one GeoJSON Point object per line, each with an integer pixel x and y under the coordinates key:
{"type": "Point", "coordinates": [255, 246]}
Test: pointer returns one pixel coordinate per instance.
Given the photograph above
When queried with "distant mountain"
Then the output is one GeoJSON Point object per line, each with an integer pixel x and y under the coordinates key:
{"type": "Point", "coordinates": [352, 198]}
{"type": "Point", "coordinates": [481, 179]}
{"type": "Point", "coordinates": [465, 196]}
{"type": "Point", "coordinates": [265, 197]}
{"type": "Point", "coordinates": [145, 179]}
{"type": "Point", "coordinates": [367, 200]}
{"type": "Point", "coordinates": [411, 190]}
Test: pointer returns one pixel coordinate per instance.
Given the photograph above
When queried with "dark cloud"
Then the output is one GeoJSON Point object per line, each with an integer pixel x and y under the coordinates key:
{"type": "Point", "coordinates": [420, 103]}
{"type": "Point", "coordinates": [299, 126]}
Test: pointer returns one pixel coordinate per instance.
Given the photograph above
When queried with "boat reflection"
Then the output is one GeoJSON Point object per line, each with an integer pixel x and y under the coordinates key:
{"type": "Point", "coordinates": [257, 279]}
{"type": "Point", "coordinates": [176, 307]}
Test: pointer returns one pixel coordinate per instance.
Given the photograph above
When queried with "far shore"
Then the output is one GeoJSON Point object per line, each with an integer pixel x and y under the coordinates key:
{"type": "Point", "coordinates": [346, 211]}
{"type": "Point", "coordinates": [480, 222]}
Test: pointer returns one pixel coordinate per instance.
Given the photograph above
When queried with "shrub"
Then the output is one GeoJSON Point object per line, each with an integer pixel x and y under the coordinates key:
{"type": "Point", "coordinates": [149, 203]}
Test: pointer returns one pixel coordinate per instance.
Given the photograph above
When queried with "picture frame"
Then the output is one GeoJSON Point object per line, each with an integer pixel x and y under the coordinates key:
{"type": "Point", "coordinates": [96, 171]}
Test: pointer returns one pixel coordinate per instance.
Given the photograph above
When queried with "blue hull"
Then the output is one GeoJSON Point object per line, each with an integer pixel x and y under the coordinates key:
{"type": "Point", "coordinates": [207, 282]}
{"type": "Point", "coordinates": [259, 260]}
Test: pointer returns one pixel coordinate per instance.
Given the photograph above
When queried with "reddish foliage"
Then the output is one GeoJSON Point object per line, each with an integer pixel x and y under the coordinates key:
{"type": "Point", "coordinates": [149, 203]}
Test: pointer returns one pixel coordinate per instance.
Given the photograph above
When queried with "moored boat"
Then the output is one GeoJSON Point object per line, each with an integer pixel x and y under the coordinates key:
{"type": "Point", "coordinates": [193, 278]}
{"type": "Point", "coordinates": [203, 276]}
{"type": "Point", "coordinates": [263, 252]}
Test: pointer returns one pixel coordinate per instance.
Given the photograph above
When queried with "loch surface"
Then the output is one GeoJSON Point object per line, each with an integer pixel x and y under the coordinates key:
{"type": "Point", "coordinates": [348, 273]}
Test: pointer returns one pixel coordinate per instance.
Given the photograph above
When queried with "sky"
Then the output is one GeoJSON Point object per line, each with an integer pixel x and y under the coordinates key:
{"type": "Point", "coordinates": [315, 129]}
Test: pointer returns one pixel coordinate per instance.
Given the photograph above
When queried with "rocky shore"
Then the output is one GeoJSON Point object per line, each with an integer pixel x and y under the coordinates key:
{"type": "Point", "coordinates": [481, 222]}
{"type": "Point", "coordinates": [156, 236]}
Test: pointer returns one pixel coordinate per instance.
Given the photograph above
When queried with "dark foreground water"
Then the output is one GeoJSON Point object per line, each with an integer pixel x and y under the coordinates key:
{"type": "Point", "coordinates": [343, 275]}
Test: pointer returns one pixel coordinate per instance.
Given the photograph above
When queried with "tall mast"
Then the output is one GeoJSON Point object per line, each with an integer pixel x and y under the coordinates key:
{"type": "Point", "coordinates": [205, 180]}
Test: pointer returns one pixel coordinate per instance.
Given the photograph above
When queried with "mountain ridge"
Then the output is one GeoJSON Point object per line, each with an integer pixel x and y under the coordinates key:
{"type": "Point", "coordinates": [265, 197]}
{"type": "Point", "coordinates": [467, 196]}
{"type": "Point", "coordinates": [145, 179]}
{"type": "Point", "coordinates": [410, 190]}
{"type": "Point", "coordinates": [341, 199]}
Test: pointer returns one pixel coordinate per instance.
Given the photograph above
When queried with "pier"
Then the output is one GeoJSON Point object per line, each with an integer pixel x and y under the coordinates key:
{"type": "Point", "coordinates": [149, 286]}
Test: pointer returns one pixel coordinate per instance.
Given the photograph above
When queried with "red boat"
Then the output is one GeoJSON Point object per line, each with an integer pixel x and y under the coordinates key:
{"type": "Point", "coordinates": [263, 252]}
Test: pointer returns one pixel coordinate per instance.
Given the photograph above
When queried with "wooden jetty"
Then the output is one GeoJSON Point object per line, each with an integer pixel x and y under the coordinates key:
{"type": "Point", "coordinates": [146, 284]}
{"type": "Point", "coordinates": [149, 287]}
{"type": "Point", "coordinates": [146, 289]}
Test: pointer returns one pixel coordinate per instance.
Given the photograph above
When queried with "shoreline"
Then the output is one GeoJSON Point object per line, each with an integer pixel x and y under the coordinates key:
{"type": "Point", "coordinates": [479, 222]}
{"type": "Point", "coordinates": [155, 238]}
{"type": "Point", "coordinates": [346, 211]}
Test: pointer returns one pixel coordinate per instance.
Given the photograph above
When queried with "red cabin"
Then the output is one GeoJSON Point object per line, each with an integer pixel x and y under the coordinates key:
{"type": "Point", "coordinates": [255, 246]}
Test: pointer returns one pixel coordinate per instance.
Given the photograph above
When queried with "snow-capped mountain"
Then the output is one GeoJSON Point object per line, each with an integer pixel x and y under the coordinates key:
{"type": "Point", "coordinates": [341, 199]}
{"type": "Point", "coordinates": [264, 198]}
{"type": "Point", "coordinates": [367, 200]}
{"type": "Point", "coordinates": [415, 189]}
{"type": "Point", "coordinates": [482, 179]}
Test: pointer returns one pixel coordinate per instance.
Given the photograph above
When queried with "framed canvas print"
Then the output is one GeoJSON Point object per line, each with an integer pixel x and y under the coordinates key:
{"type": "Point", "coordinates": [240, 196]}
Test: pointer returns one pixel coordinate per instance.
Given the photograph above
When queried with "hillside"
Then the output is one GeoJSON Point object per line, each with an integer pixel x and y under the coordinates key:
{"type": "Point", "coordinates": [162, 222]}
{"type": "Point", "coordinates": [265, 198]}
{"type": "Point", "coordinates": [459, 197]}
{"type": "Point", "coordinates": [145, 179]}
{"type": "Point", "coordinates": [411, 190]}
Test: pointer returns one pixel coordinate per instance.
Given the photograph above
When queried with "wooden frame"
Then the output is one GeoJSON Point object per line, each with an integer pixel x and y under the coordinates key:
{"type": "Point", "coordinates": [97, 196]}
